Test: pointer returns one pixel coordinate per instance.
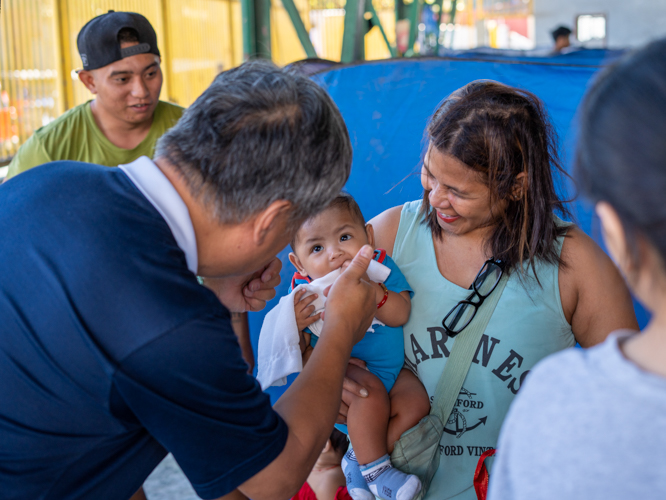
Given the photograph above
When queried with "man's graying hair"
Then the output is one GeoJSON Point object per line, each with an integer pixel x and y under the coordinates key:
{"type": "Point", "coordinates": [260, 134]}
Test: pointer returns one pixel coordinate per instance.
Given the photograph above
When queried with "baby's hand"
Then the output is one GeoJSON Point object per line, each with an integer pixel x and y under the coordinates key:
{"type": "Point", "coordinates": [304, 308]}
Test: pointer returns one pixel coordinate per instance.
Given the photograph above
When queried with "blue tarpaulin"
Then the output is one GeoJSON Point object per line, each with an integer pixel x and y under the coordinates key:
{"type": "Point", "coordinates": [575, 57]}
{"type": "Point", "coordinates": [386, 106]}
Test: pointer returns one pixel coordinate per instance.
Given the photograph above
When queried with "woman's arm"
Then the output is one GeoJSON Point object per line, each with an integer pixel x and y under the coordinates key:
{"type": "Point", "coordinates": [595, 298]}
{"type": "Point", "coordinates": [385, 227]}
{"type": "Point", "coordinates": [242, 330]}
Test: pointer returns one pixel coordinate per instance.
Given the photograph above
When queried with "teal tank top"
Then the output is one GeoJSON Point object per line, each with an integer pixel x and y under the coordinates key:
{"type": "Point", "coordinates": [528, 324]}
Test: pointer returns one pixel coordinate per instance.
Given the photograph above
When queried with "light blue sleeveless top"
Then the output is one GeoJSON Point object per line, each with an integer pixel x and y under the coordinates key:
{"type": "Point", "coordinates": [528, 324]}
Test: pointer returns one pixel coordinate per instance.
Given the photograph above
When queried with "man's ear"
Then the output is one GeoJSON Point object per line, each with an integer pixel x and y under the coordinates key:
{"type": "Point", "coordinates": [88, 79]}
{"type": "Point", "coordinates": [520, 186]}
{"type": "Point", "coordinates": [370, 233]}
{"type": "Point", "coordinates": [293, 258]}
{"type": "Point", "coordinates": [614, 235]}
{"type": "Point", "coordinates": [272, 218]}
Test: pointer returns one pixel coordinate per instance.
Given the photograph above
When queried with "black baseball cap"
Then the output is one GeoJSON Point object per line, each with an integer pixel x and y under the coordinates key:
{"type": "Point", "coordinates": [98, 39]}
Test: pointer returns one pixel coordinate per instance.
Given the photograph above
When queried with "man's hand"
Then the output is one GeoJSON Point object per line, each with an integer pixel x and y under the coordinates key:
{"type": "Point", "coordinates": [247, 293]}
{"type": "Point", "coordinates": [351, 299]}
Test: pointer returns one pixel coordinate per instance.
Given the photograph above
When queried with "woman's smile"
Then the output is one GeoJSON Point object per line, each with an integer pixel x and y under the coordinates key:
{"type": "Point", "coordinates": [449, 219]}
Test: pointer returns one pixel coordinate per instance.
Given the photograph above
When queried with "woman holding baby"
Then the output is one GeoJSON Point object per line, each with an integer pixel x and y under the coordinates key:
{"type": "Point", "coordinates": [489, 193]}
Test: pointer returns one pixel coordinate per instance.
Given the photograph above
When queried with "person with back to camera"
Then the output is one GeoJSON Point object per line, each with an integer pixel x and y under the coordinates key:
{"type": "Point", "coordinates": [489, 193]}
{"type": "Point", "coordinates": [325, 244]}
{"type": "Point", "coordinates": [590, 424]}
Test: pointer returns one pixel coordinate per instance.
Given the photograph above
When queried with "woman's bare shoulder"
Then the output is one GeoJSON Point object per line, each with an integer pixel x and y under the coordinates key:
{"type": "Point", "coordinates": [577, 244]}
{"type": "Point", "coordinates": [581, 254]}
{"type": "Point", "coordinates": [385, 226]}
{"type": "Point", "coordinates": [595, 298]}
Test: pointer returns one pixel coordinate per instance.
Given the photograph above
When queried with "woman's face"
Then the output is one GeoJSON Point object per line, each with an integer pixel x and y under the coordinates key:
{"type": "Point", "coordinates": [456, 193]}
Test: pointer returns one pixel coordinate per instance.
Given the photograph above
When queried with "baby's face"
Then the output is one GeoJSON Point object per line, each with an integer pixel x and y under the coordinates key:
{"type": "Point", "coordinates": [328, 241]}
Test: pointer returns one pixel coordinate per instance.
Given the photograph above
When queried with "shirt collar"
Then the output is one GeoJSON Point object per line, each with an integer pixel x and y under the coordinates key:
{"type": "Point", "coordinates": [155, 186]}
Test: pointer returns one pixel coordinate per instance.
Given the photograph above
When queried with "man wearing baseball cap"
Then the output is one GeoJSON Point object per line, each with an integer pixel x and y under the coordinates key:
{"type": "Point", "coordinates": [121, 67]}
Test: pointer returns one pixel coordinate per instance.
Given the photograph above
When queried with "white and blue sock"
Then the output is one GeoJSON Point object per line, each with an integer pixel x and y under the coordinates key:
{"type": "Point", "coordinates": [389, 483]}
{"type": "Point", "coordinates": [356, 485]}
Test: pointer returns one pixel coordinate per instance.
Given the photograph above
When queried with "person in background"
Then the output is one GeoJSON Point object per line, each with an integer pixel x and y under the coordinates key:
{"type": "Point", "coordinates": [121, 68]}
{"type": "Point", "coordinates": [561, 36]}
{"type": "Point", "coordinates": [327, 481]}
{"type": "Point", "coordinates": [589, 424]}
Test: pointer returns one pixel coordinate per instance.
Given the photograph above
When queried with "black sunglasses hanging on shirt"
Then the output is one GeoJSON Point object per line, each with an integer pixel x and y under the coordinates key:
{"type": "Point", "coordinates": [483, 285]}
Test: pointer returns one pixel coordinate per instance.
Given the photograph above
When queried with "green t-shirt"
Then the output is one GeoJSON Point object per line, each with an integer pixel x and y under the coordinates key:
{"type": "Point", "coordinates": [75, 136]}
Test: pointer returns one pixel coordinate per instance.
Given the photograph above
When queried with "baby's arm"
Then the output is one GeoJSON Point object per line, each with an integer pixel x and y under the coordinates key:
{"type": "Point", "coordinates": [396, 309]}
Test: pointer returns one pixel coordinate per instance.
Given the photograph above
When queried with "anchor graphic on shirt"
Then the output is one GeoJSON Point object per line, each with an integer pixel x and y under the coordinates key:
{"type": "Point", "coordinates": [460, 422]}
{"type": "Point", "coordinates": [458, 419]}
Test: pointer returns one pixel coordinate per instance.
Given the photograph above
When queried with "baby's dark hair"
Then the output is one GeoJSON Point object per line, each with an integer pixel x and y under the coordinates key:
{"type": "Point", "coordinates": [339, 442]}
{"type": "Point", "coordinates": [343, 201]}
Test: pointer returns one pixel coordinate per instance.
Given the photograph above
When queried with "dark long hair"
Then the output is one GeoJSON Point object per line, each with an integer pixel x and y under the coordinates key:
{"type": "Point", "coordinates": [500, 132]}
{"type": "Point", "coordinates": [621, 154]}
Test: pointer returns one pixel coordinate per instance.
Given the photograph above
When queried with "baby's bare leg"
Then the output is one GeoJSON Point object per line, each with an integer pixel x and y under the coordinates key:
{"type": "Point", "coordinates": [367, 422]}
{"type": "Point", "coordinates": [367, 419]}
{"type": "Point", "coordinates": [409, 404]}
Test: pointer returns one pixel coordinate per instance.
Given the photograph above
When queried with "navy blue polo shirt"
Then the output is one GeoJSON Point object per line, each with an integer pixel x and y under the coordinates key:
{"type": "Point", "coordinates": [111, 353]}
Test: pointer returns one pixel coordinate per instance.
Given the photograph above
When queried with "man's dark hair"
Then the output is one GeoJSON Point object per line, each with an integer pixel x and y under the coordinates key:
{"type": "Point", "coordinates": [560, 31]}
{"type": "Point", "coordinates": [621, 151]}
{"type": "Point", "coordinates": [128, 35]}
{"type": "Point", "coordinates": [260, 134]}
{"type": "Point", "coordinates": [343, 201]}
{"type": "Point", "coordinates": [501, 132]}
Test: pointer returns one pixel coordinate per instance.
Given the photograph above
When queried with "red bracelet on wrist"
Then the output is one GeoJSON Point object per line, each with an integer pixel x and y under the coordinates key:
{"type": "Point", "coordinates": [383, 301]}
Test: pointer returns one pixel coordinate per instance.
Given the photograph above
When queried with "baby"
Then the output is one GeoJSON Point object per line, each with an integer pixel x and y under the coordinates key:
{"type": "Point", "coordinates": [324, 243]}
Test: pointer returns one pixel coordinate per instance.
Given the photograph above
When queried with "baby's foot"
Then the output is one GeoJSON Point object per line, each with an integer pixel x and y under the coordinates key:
{"type": "Point", "coordinates": [389, 483]}
{"type": "Point", "coordinates": [356, 485]}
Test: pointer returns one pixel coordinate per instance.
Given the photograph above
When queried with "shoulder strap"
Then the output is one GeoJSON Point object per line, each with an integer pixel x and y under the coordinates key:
{"type": "Point", "coordinates": [462, 353]}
